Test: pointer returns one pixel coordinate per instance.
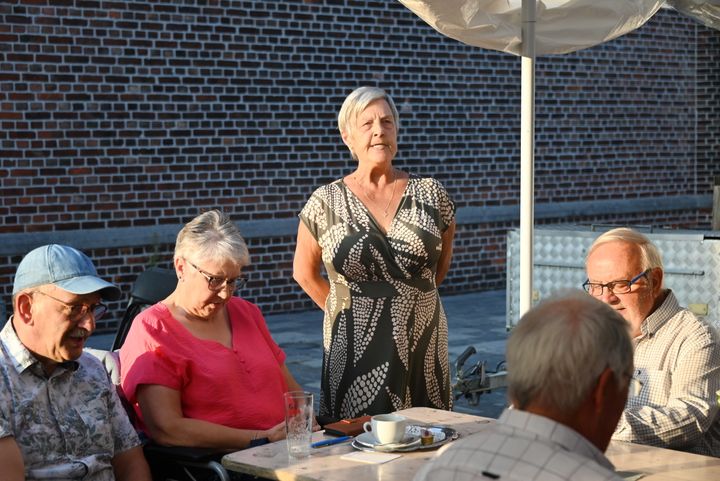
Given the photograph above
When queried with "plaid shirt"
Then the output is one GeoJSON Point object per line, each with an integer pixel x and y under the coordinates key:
{"type": "Point", "coordinates": [70, 423]}
{"type": "Point", "coordinates": [521, 446]}
{"type": "Point", "coordinates": [677, 360]}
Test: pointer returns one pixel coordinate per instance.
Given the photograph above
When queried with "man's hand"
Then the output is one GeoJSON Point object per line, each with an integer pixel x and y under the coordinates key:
{"type": "Point", "coordinates": [130, 465]}
{"type": "Point", "coordinates": [11, 460]}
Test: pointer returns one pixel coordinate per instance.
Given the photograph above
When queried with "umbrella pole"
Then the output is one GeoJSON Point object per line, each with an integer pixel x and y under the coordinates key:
{"type": "Point", "coordinates": [527, 147]}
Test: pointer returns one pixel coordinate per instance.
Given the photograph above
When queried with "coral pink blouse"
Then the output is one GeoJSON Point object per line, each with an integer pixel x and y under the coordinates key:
{"type": "Point", "coordinates": [240, 387]}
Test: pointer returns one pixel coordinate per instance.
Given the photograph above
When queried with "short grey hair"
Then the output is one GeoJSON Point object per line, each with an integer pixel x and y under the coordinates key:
{"type": "Point", "coordinates": [650, 257]}
{"type": "Point", "coordinates": [357, 101]}
{"type": "Point", "coordinates": [560, 347]}
{"type": "Point", "coordinates": [212, 235]}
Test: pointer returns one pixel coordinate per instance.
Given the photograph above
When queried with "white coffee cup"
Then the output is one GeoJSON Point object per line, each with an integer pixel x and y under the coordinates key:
{"type": "Point", "coordinates": [386, 428]}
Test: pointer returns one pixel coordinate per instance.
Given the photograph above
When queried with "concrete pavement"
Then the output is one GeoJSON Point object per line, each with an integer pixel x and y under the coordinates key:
{"type": "Point", "coordinates": [475, 319]}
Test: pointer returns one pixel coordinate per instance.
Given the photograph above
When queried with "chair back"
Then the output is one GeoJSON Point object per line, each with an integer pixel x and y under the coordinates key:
{"type": "Point", "coordinates": [150, 287]}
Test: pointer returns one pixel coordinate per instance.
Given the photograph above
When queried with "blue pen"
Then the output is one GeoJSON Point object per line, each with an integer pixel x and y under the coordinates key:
{"type": "Point", "coordinates": [330, 442]}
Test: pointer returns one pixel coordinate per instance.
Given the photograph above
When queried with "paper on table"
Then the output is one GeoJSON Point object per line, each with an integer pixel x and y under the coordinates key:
{"type": "Point", "coordinates": [368, 457]}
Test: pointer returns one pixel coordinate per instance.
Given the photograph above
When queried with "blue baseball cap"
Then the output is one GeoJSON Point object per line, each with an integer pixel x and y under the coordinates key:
{"type": "Point", "coordinates": [65, 267]}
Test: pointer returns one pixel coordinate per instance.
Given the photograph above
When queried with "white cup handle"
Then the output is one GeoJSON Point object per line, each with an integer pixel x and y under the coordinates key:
{"type": "Point", "coordinates": [367, 427]}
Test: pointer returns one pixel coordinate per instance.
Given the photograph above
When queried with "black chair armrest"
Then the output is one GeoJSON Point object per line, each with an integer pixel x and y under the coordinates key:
{"type": "Point", "coordinates": [183, 453]}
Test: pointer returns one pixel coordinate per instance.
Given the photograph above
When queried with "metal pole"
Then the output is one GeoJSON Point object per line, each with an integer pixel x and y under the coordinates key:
{"type": "Point", "coordinates": [716, 204]}
{"type": "Point", "coordinates": [527, 154]}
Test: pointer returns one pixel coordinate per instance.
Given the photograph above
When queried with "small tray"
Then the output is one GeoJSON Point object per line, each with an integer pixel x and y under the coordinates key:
{"type": "Point", "coordinates": [411, 442]}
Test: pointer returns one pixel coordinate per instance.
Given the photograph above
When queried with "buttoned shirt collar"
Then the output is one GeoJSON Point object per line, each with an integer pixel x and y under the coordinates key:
{"type": "Point", "coordinates": [660, 316]}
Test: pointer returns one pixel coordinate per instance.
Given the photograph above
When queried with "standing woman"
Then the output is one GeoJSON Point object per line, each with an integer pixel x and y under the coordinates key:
{"type": "Point", "coordinates": [385, 238]}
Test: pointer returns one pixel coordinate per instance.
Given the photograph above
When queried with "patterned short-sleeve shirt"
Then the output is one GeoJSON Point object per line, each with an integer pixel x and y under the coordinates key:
{"type": "Point", "coordinates": [72, 420]}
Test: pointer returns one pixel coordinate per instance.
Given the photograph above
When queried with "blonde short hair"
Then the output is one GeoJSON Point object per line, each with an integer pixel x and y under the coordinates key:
{"type": "Point", "coordinates": [212, 235]}
{"type": "Point", "coordinates": [650, 257]}
{"type": "Point", "coordinates": [357, 101]}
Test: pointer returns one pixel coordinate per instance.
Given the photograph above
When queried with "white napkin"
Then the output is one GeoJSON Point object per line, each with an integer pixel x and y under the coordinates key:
{"type": "Point", "coordinates": [369, 457]}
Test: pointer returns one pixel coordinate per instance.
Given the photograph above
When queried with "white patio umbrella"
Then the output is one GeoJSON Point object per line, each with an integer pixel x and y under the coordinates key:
{"type": "Point", "coordinates": [706, 12]}
{"type": "Point", "coordinates": [541, 27]}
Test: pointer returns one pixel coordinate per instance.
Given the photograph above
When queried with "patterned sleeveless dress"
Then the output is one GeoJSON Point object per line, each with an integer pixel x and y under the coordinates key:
{"type": "Point", "coordinates": [384, 331]}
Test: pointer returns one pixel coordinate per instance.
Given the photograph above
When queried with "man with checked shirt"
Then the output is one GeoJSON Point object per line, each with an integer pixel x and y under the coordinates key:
{"type": "Point", "coordinates": [677, 356]}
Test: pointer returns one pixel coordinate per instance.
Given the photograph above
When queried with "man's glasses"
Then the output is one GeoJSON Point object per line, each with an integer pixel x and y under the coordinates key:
{"type": "Point", "coordinates": [216, 283]}
{"type": "Point", "coordinates": [79, 311]}
{"type": "Point", "coordinates": [635, 385]}
{"type": "Point", "coordinates": [616, 287]}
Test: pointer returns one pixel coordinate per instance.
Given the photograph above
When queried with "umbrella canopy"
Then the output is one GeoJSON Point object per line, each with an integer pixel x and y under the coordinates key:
{"type": "Point", "coordinates": [706, 12]}
{"type": "Point", "coordinates": [541, 27]}
{"type": "Point", "coordinates": [562, 26]}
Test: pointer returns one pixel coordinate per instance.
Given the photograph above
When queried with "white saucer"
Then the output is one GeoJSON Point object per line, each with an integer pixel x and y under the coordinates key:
{"type": "Point", "coordinates": [367, 439]}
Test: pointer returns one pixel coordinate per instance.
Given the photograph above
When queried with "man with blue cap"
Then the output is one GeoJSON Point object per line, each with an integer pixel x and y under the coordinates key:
{"type": "Point", "coordinates": [60, 416]}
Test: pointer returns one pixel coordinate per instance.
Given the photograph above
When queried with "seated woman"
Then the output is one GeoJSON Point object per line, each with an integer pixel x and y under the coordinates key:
{"type": "Point", "coordinates": [200, 367]}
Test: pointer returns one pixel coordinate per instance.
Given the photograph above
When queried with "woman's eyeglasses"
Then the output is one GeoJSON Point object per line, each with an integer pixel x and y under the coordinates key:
{"type": "Point", "coordinates": [80, 310]}
{"type": "Point", "coordinates": [216, 283]}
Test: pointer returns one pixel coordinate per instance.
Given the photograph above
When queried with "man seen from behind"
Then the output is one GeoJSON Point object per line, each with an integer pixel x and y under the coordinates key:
{"type": "Point", "coordinates": [569, 367]}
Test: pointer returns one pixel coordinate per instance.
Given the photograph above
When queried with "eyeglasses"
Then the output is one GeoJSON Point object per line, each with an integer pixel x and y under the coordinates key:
{"type": "Point", "coordinates": [216, 283]}
{"type": "Point", "coordinates": [635, 385]}
{"type": "Point", "coordinates": [79, 311]}
{"type": "Point", "coordinates": [616, 287]}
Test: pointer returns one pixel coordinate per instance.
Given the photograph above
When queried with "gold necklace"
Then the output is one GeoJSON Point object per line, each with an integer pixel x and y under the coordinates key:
{"type": "Point", "coordinates": [372, 198]}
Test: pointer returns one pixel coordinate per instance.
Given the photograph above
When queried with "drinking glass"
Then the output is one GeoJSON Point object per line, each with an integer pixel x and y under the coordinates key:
{"type": "Point", "coordinates": [298, 422]}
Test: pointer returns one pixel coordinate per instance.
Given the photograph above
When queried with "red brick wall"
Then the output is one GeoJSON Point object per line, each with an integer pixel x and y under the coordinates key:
{"type": "Point", "coordinates": [122, 117]}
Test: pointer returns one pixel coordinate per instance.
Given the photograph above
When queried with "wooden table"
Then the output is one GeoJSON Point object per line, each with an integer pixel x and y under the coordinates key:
{"type": "Point", "coordinates": [325, 464]}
